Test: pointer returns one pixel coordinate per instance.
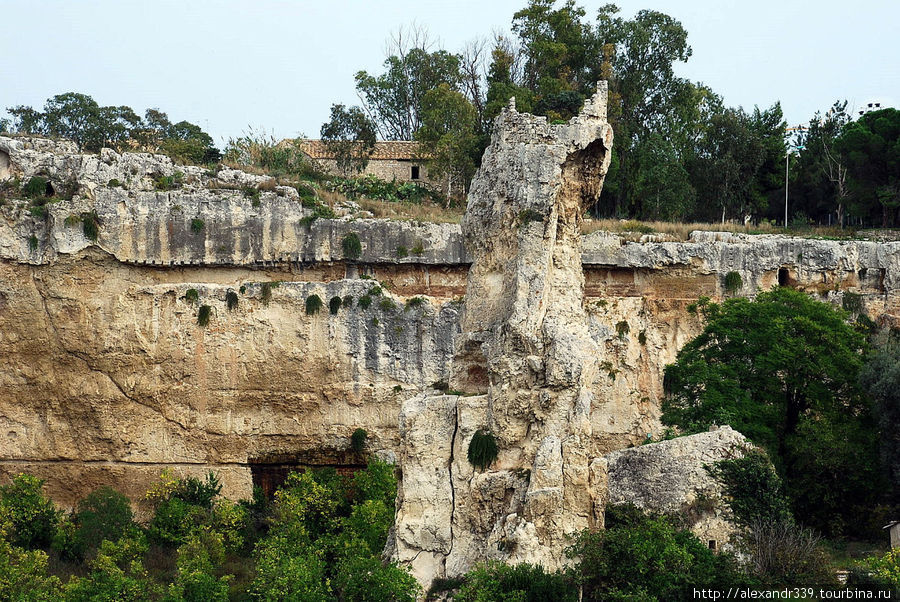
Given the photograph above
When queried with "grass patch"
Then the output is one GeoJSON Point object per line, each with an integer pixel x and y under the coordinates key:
{"type": "Point", "coordinates": [387, 304]}
{"type": "Point", "coordinates": [33, 243]}
{"type": "Point", "coordinates": [622, 329]}
{"type": "Point", "coordinates": [197, 225]}
{"type": "Point", "coordinates": [402, 252]}
{"type": "Point", "coordinates": [414, 302]}
{"type": "Point", "coordinates": [364, 302]}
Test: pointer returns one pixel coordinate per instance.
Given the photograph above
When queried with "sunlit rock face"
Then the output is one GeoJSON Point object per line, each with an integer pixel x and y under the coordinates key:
{"type": "Point", "coordinates": [527, 356]}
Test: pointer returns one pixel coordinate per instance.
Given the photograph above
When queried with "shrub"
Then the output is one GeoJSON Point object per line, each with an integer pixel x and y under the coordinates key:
{"type": "Point", "coordinates": [375, 291]}
{"type": "Point", "coordinates": [173, 522]}
{"type": "Point", "coordinates": [266, 292]}
{"type": "Point", "coordinates": [482, 449]}
{"type": "Point", "coordinates": [36, 187]}
{"type": "Point", "coordinates": [164, 183]}
{"type": "Point", "coordinates": [203, 315]}
{"type": "Point", "coordinates": [32, 243]}
{"type": "Point", "coordinates": [231, 300]}
{"type": "Point", "coordinates": [358, 440]}
{"type": "Point", "coordinates": [733, 282]}
{"type": "Point", "coordinates": [32, 517]}
{"type": "Point", "coordinates": [642, 337]}
{"type": "Point", "coordinates": [347, 301]}
{"type": "Point", "coordinates": [197, 225]}
{"type": "Point", "coordinates": [402, 252]}
{"type": "Point", "coordinates": [72, 220]}
{"type": "Point", "coordinates": [313, 305]}
{"type": "Point", "coordinates": [114, 183]}
{"type": "Point", "coordinates": [787, 554]}
{"type": "Point", "coordinates": [635, 226]}
{"type": "Point", "coordinates": [622, 329]}
{"type": "Point", "coordinates": [648, 558]}
{"type": "Point", "coordinates": [365, 301]}
{"type": "Point", "coordinates": [883, 570]}
{"type": "Point", "coordinates": [525, 582]}
{"type": "Point", "coordinates": [351, 246]}
{"type": "Point", "coordinates": [852, 302]}
{"type": "Point", "coordinates": [199, 493]}
{"type": "Point", "coordinates": [753, 489]}
{"type": "Point", "coordinates": [191, 295]}
{"type": "Point", "coordinates": [251, 192]}
{"type": "Point", "coordinates": [414, 302]}
{"type": "Point", "coordinates": [90, 225]}
{"type": "Point", "coordinates": [364, 579]}
{"type": "Point", "coordinates": [38, 211]}
{"type": "Point", "coordinates": [530, 215]}
{"type": "Point", "coordinates": [102, 514]}
{"type": "Point", "coordinates": [419, 249]}
{"type": "Point", "coordinates": [387, 304]}
{"type": "Point", "coordinates": [320, 211]}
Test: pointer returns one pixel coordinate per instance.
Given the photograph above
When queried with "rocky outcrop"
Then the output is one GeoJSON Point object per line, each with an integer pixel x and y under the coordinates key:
{"type": "Point", "coordinates": [528, 353]}
{"type": "Point", "coordinates": [670, 477]}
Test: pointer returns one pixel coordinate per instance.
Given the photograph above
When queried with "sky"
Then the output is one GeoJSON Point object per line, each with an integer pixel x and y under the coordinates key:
{"type": "Point", "coordinates": [277, 66]}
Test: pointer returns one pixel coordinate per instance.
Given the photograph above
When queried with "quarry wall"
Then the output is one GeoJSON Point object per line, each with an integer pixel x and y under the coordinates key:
{"type": "Point", "coordinates": [107, 378]}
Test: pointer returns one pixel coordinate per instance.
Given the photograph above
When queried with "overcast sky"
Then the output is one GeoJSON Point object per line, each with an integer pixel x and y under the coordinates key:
{"type": "Point", "coordinates": [279, 65]}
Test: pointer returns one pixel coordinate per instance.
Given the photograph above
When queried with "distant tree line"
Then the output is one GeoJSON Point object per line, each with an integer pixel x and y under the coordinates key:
{"type": "Point", "coordinates": [79, 118]}
{"type": "Point", "coordinates": [679, 152]}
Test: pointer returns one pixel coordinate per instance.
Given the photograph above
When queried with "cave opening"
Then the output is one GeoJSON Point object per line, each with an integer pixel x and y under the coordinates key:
{"type": "Point", "coordinates": [784, 277]}
{"type": "Point", "coordinates": [4, 165]}
{"type": "Point", "coordinates": [270, 472]}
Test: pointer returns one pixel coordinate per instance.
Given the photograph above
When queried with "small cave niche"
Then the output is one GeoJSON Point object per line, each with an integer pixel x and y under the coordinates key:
{"type": "Point", "coordinates": [4, 165]}
{"type": "Point", "coordinates": [270, 471]}
{"type": "Point", "coordinates": [784, 277]}
{"type": "Point", "coordinates": [582, 180]}
{"type": "Point", "coordinates": [48, 190]}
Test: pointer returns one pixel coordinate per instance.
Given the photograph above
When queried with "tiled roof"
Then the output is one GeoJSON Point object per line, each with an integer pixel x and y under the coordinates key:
{"type": "Point", "coordinates": [387, 149]}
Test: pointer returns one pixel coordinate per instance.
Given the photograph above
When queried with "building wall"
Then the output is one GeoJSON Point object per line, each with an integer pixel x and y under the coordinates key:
{"type": "Point", "coordinates": [389, 170]}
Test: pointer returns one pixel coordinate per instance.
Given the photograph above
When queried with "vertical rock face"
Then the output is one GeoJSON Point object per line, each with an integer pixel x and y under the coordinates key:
{"type": "Point", "coordinates": [526, 354]}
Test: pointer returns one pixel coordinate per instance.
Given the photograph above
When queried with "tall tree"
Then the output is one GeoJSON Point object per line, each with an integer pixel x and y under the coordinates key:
{"type": "Point", "coordinates": [350, 136]}
{"type": "Point", "coordinates": [872, 148]}
{"type": "Point", "coordinates": [393, 99]}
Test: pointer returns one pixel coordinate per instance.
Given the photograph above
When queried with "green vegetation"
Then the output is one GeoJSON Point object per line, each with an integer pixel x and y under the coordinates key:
{"type": "Point", "coordinates": [387, 304]}
{"type": "Point", "coordinates": [32, 243]}
{"type": "Point", "coordinates": [350, 137]}
{"type": "Point", "coordinates": [358, 440]}
{"type": "Point", "coordinates": [622, 329]}
{"type": "Point", "coordinates": [197, 225]}
{"type": "Point", "coordinates": [419, 249]}
{"type": "Point", "coordinates": [402, 252]}
{"type": "Point", "coordinates": [482, 449]}
{"type": "Point", "coordinates": [265, 292]}
{"type": "Point", "coordinates": [231, 300]}
{"type": "Point", "coordinates": [530, 215]}
{"type": "Point", "coordinates": [733, 282]}
{"type": "Point", "coordinates": [313, 305]}
{"type": "Point", "coordinates": [347, 301]}
{"type": "Point", "coordinates": [783, 370]}
{"type": "Point", "coordinates": [414, 302]}
{"type": "Point", "coordinates": [191, 295]}
{"type": "Point", "coordinates": [173, 182]}
{"type": "Point", "coordinates": [364, 302]}
{"type": "Point", "coordinates": [203, 315]}
{"type": "Point", "coordinates": [36, 187]}
{"type": "Point", "coordinates": [526, 582]}
{"type": "Point", "coordinates": [334, 305]}
{"type": "Point", "coordinates": [114, 183]}
{"type": "Point", "coordinates": [79, 118]}
{"type": "Point", "coordinates": [90, 225]}
{"type": "Point", "coordinates": [351, 246]}
{"type": "Point", "coordinates": [371, 187]}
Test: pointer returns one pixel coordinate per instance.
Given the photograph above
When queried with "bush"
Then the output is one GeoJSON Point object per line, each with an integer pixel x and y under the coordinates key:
{"type": "Point", "coordinates": [313, 305]}
{"type": "Point", "coordinates": [753, 490]}
{"type": "Point", "coordinates": [358, 440]}
{"type": "Point", "coordinates": [647, 557]}
{"type": "Point", "coordinates": [32, 517]}
{"type": "Point", "coordinates": [414, 302]}
{"type": "Point", "coordinates": [334, 305]}
{"type": "Point", "coordinates": [521, 582]}
{"type": "Point", "coordinates": [787, 554]}
{"type": "Point", "coordinates": [266, 291]}
{"type": "Point", "coordinates": [32, 243]}
{"type": "Point", "coordinates": [733, 282]}
{"type": "Point", "coordinates": [90, 225]}
{"type": "Point", "coordinates": [347, 301]}
{"type": "Point", "coordinates": [351, 246]}
{"type": "Point", "coordinates": [402, 252]}
{"type": "Point", "coordinates": [387, 304]}
{"type": "Point", "coordinates": [527, 216]}
{"type": "Point", "coordinates": [197, 225]}
{"type": "Point", "coordinates": [365, 579]}
{"type": "Point", "coordinates": [36, 187]}
{"type": "Point", "coordinates": [114, 183]}
{"type": "Point", "coordinates": [852, 302]}
{"type": "Point", "coordinates": [231, 300]}
{"type": "Point", "coordinates": [102, 514]}
{"type": "Point", "coordinates": [622, 329]}
{"type": "Point", "coordinates": [203, 315]}
{"type": "Point", "coordinates": [882, 570]}
{"type": "Point", "coordinates": [482, 449]}
{"type": "Point", "coordinates": [191, 295]}
{"type": "Point", "coordinates": [419, 249]}
{"type": "Point", "coordinates": [364, 302]}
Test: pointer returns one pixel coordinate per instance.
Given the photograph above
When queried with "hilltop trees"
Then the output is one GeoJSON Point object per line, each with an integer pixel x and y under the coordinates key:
{"type": "Point", "coordinates": [78, 117]}
{"type": "Point", "coordinates": [350, 136]}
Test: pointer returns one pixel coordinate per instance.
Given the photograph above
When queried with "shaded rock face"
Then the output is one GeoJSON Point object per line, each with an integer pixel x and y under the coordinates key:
{"type": "Point", "coordinates": [670, 477]}
{"type": "Point", "coordinates": [528, 354]}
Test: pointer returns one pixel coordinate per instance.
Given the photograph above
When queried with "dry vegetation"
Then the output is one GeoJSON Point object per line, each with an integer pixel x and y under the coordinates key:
{"type": "Point", "coordinates": [677, 231]}
{"type": "Point", "coordinates": [409, 211]}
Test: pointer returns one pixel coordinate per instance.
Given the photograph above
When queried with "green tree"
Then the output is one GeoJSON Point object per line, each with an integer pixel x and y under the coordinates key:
{"type": "Point", "coordinates": [105, 514]}
{"type": "Point", "coordinates": [350, 136]}
{"type": "Point", "coordinates": [871, 145]}
{"type": "Point", "coordinates": [782, 369]}
{"type": "Point", "coordinates": [820, 182]}
{"type": "Point", "coordinates": [880, 378]}
{"type": "Point", "coordinates": [498, 582]}
{"type": "Point", "coordinates": [393, 100]}
{"type": "Point", "coordinates": [30, 517]}
{"type": "Point", "coordinates": [448, 137]}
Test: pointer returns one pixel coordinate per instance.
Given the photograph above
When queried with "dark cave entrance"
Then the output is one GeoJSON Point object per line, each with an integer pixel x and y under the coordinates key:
{"type": "Point", "coordinates": [269, 472]}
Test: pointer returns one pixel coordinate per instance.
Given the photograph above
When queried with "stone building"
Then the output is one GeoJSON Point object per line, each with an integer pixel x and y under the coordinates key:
{"type": "Point", "coordinates": [391, 160]}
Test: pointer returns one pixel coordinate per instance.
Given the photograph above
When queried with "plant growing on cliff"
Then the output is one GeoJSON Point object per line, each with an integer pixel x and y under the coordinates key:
{"type": "Point", "coordinates": [414, 302]}
{"type": "Point", "coordinates": [334, 305]}
{"type": "Point", "coordinates": [402, 252]}
{"type": "Point", "coordinates": [266, 291]}
{"type": "Point", "coordinates": [526, 216]}
{"type": "Point", "coordinates": [32, 243]}
{"type": "Point", "coordinates": [90, 225]}
{"type": "Point", "coordinates": [419, 249]}
{"type": "Point", "coordinates": [191, 295]}
{"type": "Point", "coordinates": [527, 582]}
{"type": "Point", "coordinates": [37, 187]}
{"type": "Point", "coordinates": [482, 449]}
{"type": "Point", "coordinates": [231, 300]}
{"type": "Point", "coordinates": [313, 305]}
{"type": "Point", "coordinates": [364, 302]}
{"type": "Point", "coordinates": [203, 315]}
{"type": "Point", "coordinates": [387, 304]}
{"type": "Point", "coordinates": [358, 440]}
{"type": "Point", "coordinates": [622, 329]}
{"type": "Point", "coordinates": [197, 225]}
{"type": "Point", "coordinates": [347, 301]}
{"type": "Point", "coordinates": [733, 282]}
{"type": "Point", "coordinates": [351, 246]}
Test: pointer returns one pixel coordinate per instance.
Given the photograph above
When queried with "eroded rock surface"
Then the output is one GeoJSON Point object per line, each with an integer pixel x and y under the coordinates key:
{"type": "Point", "coordinates": [526, 350]}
